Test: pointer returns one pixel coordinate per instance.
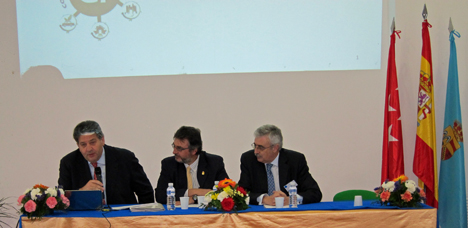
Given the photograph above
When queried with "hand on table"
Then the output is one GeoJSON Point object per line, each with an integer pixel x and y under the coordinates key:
{"type": "Point", "coordinates": [270, 200]}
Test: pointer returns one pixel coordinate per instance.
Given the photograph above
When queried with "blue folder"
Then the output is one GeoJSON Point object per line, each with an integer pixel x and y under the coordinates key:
{"type": "Point", "coordinates": [81, 200]}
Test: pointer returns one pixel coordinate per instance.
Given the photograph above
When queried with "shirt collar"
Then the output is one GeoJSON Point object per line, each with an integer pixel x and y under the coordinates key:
{"type": "Point", "coordinates": [194, 165]}
{"type": "Point", "coordinates": [275, 161]}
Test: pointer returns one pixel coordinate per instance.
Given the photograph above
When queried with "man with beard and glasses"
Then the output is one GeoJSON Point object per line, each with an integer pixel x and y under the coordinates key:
{"type": "Point", "coordinates": [268, 167]}
{"type": "Point", "coordinates": [191, 170]}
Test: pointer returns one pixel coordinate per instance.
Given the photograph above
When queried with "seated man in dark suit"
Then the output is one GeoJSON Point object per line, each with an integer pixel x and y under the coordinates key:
{"type": "Point", "coordinates": [283, 165]}
{"type": "Point", "coordinates": [191, 170]}
{"type": "Point", "coordinates": [122, 174]}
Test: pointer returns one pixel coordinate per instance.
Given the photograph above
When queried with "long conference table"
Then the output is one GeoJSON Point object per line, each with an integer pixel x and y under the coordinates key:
{"type": "Point", "coordinates": [324, 214]}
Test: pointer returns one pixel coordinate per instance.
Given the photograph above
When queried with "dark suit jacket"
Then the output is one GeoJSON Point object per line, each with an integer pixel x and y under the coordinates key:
{"type": "Point", "coordinates": [210, 169]}
{"type": "Point", "coordinates": [124, 176]}
{"type": "Point", "coordinates": [292, 165]}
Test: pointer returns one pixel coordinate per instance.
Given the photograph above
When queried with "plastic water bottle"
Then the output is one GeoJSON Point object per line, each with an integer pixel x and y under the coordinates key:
{"type": "Point", "coordinates": [215, 186]}
{"type": "Point", "coordinates": [292, 197]}
{"type": "Point", "coordinates": [170, 197]}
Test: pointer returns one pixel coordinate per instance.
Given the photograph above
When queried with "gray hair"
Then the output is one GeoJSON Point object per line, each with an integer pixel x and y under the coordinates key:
{"type": "Point", "coordinates": [87, 127]}
{"type": "Point", "coordinates": [273, 132]}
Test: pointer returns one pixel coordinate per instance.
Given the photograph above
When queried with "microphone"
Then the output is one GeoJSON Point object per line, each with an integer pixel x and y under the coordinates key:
{"type": "Point", "coordinates": [98, 173]}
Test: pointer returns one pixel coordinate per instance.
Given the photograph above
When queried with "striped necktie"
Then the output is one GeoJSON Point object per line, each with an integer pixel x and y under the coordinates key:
{"type": "Point", "coordinates": [271, 180]}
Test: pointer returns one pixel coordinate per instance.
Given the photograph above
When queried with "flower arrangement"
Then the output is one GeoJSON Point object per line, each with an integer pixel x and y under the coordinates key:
{"type": "Point", "coordinates": [229, 196]}
{"type": "Point", "coordinates": [400, 192]}
{"type": "Point", "coordinates": [40, 200]}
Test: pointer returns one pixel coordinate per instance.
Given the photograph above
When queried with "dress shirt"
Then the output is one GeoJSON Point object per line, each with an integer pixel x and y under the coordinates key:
{"type": "Point", "coordinates": [193, 171]}
{"type": "Point", "coordinates": [101, 163]}
{"type": "Point", "coordinates": [275, 172]}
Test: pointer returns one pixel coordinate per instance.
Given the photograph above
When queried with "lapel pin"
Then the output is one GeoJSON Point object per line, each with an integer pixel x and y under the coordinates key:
{"type": "Point", "coordinates": [203, 173]}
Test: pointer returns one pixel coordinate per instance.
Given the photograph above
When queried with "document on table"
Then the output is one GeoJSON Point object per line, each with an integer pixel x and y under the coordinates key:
{"type": "Point", "coordinates": [190, 205]}
{"type": "Point", "coordinates": [270, 206]}
{"type": "Point", "coordinates": [141, 207]}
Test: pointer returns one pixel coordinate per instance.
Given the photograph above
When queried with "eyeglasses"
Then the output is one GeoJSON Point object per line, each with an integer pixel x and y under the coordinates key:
{"type": "Point", "coordinates": [179, 148]}
{"type": "Point", "coordinates": [260, 147]}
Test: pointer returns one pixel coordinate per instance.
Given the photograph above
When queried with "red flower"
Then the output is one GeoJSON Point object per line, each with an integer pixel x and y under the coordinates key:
{"type": "Point", "coordinates": [406, 196]}
{"type": "Point", "coordinates": [385, 196]}
{"type": "Point", "coordinates": [227, 204]}
{"type": "Point", "coordinates": [242, 190]}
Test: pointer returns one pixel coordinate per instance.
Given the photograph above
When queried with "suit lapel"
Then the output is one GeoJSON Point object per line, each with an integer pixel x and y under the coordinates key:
{"type": "Point", "coordinates": [202, 169]}
{"type": "Point", "coordinates": [111, 174]}
{"type": "Point", "coordinates": [83, 168]}
{"type": "Point", "coordinates": [283, 169]}
{"type": "Point", "coordinates": [182, 174]}
{"type": "Point", "coordinates": [262, 177]}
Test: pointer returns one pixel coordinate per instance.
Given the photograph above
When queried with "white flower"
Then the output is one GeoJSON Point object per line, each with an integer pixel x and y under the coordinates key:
{"type": "Point", "coordinates": [207, 200]}
{"type": "Point", "coordinates": [62, 193]}
{"type": "Point", "coordinates": [222, 195]}
{"type": "Point", "coordinates": [410, 185]}
{"type": "Point", "coordinates": [27, 190]}
{"type": "Point", "coordinates": [390, 186]}
{"type": "Point", "coordinates": [35, 192]}
{"type": "Point", "coordinates": [208, 197]}
{"type": "Point", "coordinates": [52, 192]}
{"type": "Point", "coordinates": [247, 200]}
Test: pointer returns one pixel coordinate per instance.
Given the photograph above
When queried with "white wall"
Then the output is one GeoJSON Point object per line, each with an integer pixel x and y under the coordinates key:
{"type": "Point", "coordinates": [334, 118]}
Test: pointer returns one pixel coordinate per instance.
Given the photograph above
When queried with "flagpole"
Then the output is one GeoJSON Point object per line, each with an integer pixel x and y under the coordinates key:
{"type": "Point", "coordinates": [452, 211]}
{"type": "Point", "coordinates": [392, 148]}
{"type": "Point", "coordinates": [425, 155]}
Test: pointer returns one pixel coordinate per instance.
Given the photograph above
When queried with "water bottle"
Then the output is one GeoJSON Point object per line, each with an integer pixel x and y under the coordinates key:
{"type": "Point", "coordinates": [170, 197]}
{"type": "Point", "coordinates": [215, 186]}
{"type": "Point", "coordinates": [292, 197]}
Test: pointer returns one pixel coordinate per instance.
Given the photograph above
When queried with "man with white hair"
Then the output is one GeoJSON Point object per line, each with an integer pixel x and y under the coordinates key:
{"type": "Point", "coordinates": [267, 168]}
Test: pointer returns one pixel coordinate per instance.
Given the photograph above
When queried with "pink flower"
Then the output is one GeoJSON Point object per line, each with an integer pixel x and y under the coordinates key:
{"type": "Point", "coordinates": [65, 201]}
{"type": "Point", "coordinates": [422, 194]}
{"type": "Point", "coordinates": [406, 196]}
{"type": "Point", "coordinates": [51, 202]}
{"type": "Point", "coordinates": [20, 198]}
{"type": "Point", "coordinates": [378, 191]}
{"type": "Point", "coordinates": [384, 196]}
{"type": "Point", "coordinates": [30, 206]}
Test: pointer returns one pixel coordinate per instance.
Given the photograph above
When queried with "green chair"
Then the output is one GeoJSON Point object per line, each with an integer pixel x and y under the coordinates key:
{"type": "Point", "coordinates": [349, 195]}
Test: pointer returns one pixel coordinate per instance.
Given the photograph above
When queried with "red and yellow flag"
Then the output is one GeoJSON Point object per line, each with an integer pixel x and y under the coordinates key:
{"type": "Point", "coordinates": [425, 157]}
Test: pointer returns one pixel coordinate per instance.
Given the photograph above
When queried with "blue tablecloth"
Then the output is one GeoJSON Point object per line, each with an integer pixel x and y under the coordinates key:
{"type": "Point", "coordinates": [341, 205]}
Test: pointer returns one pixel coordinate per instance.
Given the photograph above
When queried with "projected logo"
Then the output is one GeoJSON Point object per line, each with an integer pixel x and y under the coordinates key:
{"type": "Point", "coordinates": [98, 8]}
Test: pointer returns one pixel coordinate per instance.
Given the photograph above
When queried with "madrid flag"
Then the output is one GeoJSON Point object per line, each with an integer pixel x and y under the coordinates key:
{"type": "Point", "coordinates": [425, 158]}
{"type": "Point", "coordinates": [392, 150]}
{"type": "Point", "coordinates": [452, 189]}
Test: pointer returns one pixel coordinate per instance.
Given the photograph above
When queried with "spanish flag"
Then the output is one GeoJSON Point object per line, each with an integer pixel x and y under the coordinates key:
{"type": "Point", "coordinates": [425, 157]}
